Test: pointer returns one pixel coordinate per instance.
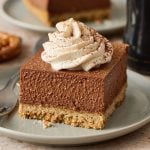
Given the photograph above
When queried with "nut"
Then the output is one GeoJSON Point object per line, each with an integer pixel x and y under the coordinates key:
{"type": "Point", "coordinates": [9, 46]}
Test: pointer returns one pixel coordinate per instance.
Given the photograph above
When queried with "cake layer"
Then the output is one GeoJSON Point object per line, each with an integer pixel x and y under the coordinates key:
{"type": "Point", "coordinates": [91, 92]}
{"type": "Point", "coordinates": [67, 6]}
{"type": "Point", "coordinates": [70, 117]}
{"type": "Point", "coordinates": [51, 13]}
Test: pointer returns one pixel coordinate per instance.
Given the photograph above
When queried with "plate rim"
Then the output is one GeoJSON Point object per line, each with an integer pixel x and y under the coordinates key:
{"type": "Point", "coordinates": [141, 122]}
{"type": "Point", "coordinates": [117, 132]}
{"type": "Point", "coordinates": [39, 28]}
{"type": "Point", "coordinates": [18, 23]}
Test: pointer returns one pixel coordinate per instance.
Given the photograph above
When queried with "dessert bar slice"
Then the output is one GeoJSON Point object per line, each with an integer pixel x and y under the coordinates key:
{"type": "Point", "coordinates": [78, 98]}
{"type": "Point", "coordinates": [52, 11]}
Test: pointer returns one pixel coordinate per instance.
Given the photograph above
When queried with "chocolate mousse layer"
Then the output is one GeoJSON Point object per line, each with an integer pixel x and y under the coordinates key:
{"type": "Point", "coordinates": [65, 6]}
{"type": "Point", "coordinates": [81, 91]}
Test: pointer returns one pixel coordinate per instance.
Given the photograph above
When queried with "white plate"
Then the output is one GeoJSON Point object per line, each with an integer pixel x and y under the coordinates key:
{"type": "Point", "coordinates": [15, 12]}
{"type": "Point", "coordinates": [133, 114]}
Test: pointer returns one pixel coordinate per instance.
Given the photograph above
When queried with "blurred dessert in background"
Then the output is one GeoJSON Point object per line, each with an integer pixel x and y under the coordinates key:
{"type": "Point", "coordinates": [52, 11]}
{"type": "Point", "coordinates": [10, 46]}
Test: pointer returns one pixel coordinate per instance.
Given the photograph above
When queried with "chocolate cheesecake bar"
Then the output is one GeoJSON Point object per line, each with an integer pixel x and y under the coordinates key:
{"type": "Point", "coordinates": [78, 78]}
{"type": "Point", "coordinates": [52, 11]}
{"type": "Point", "coordinates": [78, 98]}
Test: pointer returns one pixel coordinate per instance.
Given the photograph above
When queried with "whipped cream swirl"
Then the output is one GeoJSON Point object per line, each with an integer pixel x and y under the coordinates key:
{"type": "Point", "coordinates": [75, 46]}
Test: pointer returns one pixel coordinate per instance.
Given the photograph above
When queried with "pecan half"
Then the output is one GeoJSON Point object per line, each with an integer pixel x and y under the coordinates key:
{"type": "Point", "coordinates": [10, 46]}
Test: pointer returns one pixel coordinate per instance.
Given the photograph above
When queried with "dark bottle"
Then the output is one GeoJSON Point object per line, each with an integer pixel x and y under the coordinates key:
{"type": "Point", "coordinates": [137, 35]}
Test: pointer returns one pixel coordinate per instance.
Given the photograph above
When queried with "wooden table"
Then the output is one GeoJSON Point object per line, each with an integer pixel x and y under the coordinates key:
{"type": "Point", "coordinates": [139, 139]}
